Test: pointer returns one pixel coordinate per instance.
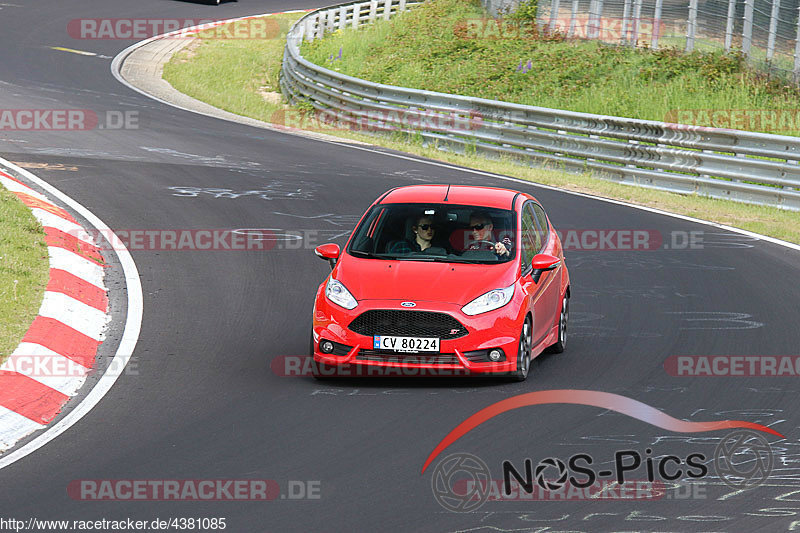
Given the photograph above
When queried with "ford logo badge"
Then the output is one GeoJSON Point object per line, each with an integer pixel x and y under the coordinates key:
{"type": "Point", "coordinates": [408, 304]}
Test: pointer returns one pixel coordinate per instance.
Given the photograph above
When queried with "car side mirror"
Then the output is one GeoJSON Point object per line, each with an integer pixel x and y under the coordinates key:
{"type": "Point", "coordinates": [328, 251]}
{"type": "Point", "coordinates": [543, 263]}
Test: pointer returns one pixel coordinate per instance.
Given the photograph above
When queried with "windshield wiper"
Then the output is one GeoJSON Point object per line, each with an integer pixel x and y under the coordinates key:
{"type": "Point", "coordinates": [453, 260]}
{"type": "Point", "coordinates": [371, 255]}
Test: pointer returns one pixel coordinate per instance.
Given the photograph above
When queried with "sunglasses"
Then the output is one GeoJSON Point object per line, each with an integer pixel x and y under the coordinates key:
{"type": "Point", "coordinates": [478, 227]}
{"type": "Point", "coordinates": [425, 227]}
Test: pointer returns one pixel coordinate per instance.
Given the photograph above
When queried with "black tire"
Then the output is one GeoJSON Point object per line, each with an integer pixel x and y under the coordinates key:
{"type": "Point", "coordinates": [563, 318]}
{"type": "Point", "coordinates": [523, 352]}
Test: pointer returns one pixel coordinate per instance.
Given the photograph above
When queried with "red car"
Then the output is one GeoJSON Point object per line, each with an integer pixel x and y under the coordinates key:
{"type": "Point", "coordinates": [443, 280]}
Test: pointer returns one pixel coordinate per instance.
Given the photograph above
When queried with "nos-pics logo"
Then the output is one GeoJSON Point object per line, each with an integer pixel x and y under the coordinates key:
{"type": "Point", "coordinates": [462, 482]}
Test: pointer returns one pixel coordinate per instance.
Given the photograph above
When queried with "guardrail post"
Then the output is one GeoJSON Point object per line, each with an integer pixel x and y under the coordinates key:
{"type": "Point", "coordinates": [590, 25]}
{"type": "Point", "coordinates": [599, 19]}
{"type": "Point", "coordinates": [373, 10]}
{"type": "Point", "coordinates": [357, 14]}
{"type": "Point", "coordinates": [797, 50]}
{"type": "Point", "coordinates": [747, 30]}
{"type": "Point", "coordinates": [342, 17]}
{"type": "Point", "coordinates": [572, 16]}
{"type": "Point", "coordinates": [729, 25]}
{"type": "Point", "coordinates": [773, 27]}
{"type": "Point", "coordinates": [626, 15]}
{"type": "Point", "coordinates": [387, 9]}
{"type": "Point", "coordinates": [402, 6]}
{"type": "Point", "coordinates": [691, 28]}
{"type": "Point", "coordinates": [637, 17]}
{"type": "Point", "coordinates": [554, 7]}
{"type": "Point", "coordinates": [331, 17]}
{"type": "Point", "coordinates": [321, 25]}
{"type": "Point", "coordinates": [308, 30]}
{"type": "Point", "coordinates": [656, 25]}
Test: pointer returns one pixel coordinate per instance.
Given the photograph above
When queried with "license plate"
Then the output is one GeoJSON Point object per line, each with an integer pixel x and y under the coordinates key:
{"type": "Point", "coordinates": [406, 344]}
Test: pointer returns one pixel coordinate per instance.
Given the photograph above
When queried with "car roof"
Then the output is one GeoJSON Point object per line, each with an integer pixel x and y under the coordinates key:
{"type": "Point", "coordinates": [458, 195]}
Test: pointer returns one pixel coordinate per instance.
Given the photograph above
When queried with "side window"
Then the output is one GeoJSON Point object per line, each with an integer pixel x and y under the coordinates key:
{"type": "Point", "coordinates": [543, 229]}
{"type": "Point", "coordinates": [529, 236]}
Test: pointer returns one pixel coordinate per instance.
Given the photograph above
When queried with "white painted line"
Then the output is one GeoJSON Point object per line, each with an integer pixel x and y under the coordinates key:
{"type": "Point", "coordinates": [47, 367]}
{"type": "Point", "coordinates": [75, 314]}
{"type": "Point", "coordinates": [73, 263]}
{"type": "Point", "coordinates": [13, 186]}
{"type": "Point", "coordinates": [130, 335]}
{"type": "Point", "coordinates": [15, 427]}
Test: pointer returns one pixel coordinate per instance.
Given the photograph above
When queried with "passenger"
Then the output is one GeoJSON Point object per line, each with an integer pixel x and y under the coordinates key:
{"type": "Point", "coordinates": [481, 226]}
{"type": "Point", "coordinates": [423, 234]}
{"type": "Point", "coordinates": [423, 231]}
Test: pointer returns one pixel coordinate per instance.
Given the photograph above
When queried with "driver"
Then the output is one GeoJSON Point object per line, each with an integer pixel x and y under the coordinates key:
{"type": "Point", "coordinates": [481, 226]}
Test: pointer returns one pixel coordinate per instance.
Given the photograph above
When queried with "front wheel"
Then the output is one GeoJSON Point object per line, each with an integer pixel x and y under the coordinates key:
{"type": "Point", "coordinates": [523, 353]}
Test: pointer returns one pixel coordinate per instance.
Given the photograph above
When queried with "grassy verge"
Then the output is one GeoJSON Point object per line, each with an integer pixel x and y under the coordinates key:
{"type": "Point", "coordinates": [448, 46]}
{"type": "Point", "coordinates": [237, 75]}
{"type": "Point", "coordinates": [232, 74]}
{"type": "Point", "coordinates": [24, 268]}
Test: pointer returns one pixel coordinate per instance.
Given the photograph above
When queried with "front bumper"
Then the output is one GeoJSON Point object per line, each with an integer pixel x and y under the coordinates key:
{"type": "Point", "coordinates": [355, 353]}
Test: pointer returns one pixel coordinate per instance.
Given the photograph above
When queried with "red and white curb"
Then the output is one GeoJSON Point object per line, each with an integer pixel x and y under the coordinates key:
{"type": "Point", "coordinates": [74, 340]}
{"type": "Point", "coordinates": [51, 363]}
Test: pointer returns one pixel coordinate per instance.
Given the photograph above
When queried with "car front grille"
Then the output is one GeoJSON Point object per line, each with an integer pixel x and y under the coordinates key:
{"type": "Point", "coordinates": [409, 358]}
{"type": "Point", "coordinates": [408, 324]}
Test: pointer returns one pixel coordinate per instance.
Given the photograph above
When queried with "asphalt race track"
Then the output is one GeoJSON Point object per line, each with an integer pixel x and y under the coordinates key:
{"type": "Point", "coordinates": [205, 403]}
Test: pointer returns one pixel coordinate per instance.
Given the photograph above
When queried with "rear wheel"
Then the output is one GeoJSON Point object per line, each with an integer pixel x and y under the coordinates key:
{"type": "Point", "coordinates": [563, 318]}
{"type": "Point", "coordinates": [523, 352]}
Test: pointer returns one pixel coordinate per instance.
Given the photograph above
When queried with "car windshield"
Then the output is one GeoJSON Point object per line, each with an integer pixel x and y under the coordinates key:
{"type": "Point", "coordinates": [436, 232]}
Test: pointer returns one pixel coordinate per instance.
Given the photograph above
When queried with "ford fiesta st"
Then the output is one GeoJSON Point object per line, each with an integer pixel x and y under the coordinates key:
{"type": "Point", "coordinates": [443, 280]}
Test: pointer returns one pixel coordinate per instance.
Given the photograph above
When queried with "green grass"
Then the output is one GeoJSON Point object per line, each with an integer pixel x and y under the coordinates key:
{"type": "Point", "coordinates": [230, 73]}
{"type": "Point", "coordinates": [444, 46]}
{"type": "Point", "coordinates": [252, 65]}
{"type": "Point", "coordinates": [24, 267]}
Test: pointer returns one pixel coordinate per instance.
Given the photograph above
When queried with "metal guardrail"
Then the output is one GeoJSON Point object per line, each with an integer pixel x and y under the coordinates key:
{"type": "Point", "coordinates": [737, 165]}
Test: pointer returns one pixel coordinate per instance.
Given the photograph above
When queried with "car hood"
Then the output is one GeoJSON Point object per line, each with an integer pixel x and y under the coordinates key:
{"type": "Point", "coordinates": [455, 283]}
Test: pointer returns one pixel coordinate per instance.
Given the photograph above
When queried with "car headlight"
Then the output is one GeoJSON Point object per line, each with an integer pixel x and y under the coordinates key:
{"type": "Point", "coordinates": [338, 294]}
{"type": "Point", "coordinates": [489, 302]}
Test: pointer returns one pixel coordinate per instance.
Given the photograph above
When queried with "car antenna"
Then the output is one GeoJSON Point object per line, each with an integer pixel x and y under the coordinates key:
{"type": "Point", "coordinates": [447, 193]}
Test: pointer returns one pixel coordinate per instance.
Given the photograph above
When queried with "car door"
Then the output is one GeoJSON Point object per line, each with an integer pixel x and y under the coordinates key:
{"type": "Point", "coordinates": [530, 244]}
{"type": "Point", "coordinates": [549, 286]}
